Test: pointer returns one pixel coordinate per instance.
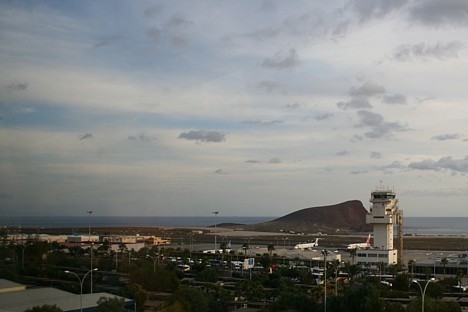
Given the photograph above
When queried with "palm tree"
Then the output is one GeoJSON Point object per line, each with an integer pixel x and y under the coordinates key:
{"type": "Point", "coordinates": [411, 264]}
{"type": "Point", "coordinates": [352, 253]}
{"type": "Point", "coordinates": [270, 247]}
{"type": "Point", "coordinates": [352, 270]}
{"type": "Point", "coordinates": [223, 247]}
{"type": "Point", "coordinates": [444, 262]}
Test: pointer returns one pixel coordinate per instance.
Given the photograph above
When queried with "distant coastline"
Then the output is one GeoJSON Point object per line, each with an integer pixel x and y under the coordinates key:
{"type": "Point", "coordinates": [418, 226]}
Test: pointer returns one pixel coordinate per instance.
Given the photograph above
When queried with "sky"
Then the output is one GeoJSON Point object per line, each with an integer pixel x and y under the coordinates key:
{"type": "Point", "coordinates": [249, 108]}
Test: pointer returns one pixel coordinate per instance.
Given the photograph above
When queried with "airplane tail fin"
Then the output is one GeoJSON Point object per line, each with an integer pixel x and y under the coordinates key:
{"type": "Point", "coordinates": [316, 242]}
{"type": "Point", "coordinates": [368, 240]}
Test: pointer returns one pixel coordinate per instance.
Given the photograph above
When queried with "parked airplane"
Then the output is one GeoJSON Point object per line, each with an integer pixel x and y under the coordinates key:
{"type": "Point", "coordinates": [367, 244]}
{"type": "Point", "coordinates": [307, 245]}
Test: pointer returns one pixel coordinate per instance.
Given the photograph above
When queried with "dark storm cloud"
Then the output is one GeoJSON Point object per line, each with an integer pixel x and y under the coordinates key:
{"type": "Point", "coordinates": [6, 196]}
{"type": "Point", "coordinates": [203, 136]}
{"type": "Point", "coordinates": [444, 163]}
{"type": "Point", "coordinates": [424, 51]}
{"type": "Point", "coordinates": [376, 155]}
{"type": "Point", "coordinates": [179, 41]}
{"type": "Point", "coordinates": [378, 126]}
{"type": "Point", "coordinates": [281, 61]}
{"type": "Point", "coordinates": [274, 160]}
{"type": "Point", "coordinates": [371, 9]}
{"type": "Point", "coordinates": [107, 40]}
{"type": "Point", "coordinates": [293, 105]}
{"type": "Point", "coordinates": [152, 11]}
{"type": "Point", "coordinates": [355, 103]}
{"type": "Point", "coordinates": [323, 116]}
{"type": "Point", "coordinates": [360, 96]}
{"type": "Point", "coordinates": [368, 89]}
{"type": "Point", "coordinates": [253, 161]}
{"type": "Point", "coordinates": [447, 136]}
{"type": "Point", "coordinates": [262, 122]}
{"type": "Point", "coordinates": [363, 11]}
{"type": "Point", "coordinates": [369, 119]}
{"type": "Point", "coordinates": [396, 165]}
{"type": "Point", "coordinates": [358, 172]}
{"type": "Point", "coordinates": [86, 136]}
{"type": "Point", "coordinates": [268, 6]}
{"type": "Point", "coordinates": [17, 86]}
{"type": "Point", "coordinates": [301, 26]}
{"type": "Point", "coordinates": [394, 99]}
{"type": "Point", "coordinates": [178, 21]}
{"type": "Point", "coordinates": [141, 137]}
{"type": "Point", "coordinates": [154, 34]}
{"type": "Point", "coordinates": [271, 86]}
{"type": "Point", "coordinates": [440, 13]}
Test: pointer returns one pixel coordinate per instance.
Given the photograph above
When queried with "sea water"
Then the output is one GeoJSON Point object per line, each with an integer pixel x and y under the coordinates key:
{"type": "Point", "coordinates": [412, 225]}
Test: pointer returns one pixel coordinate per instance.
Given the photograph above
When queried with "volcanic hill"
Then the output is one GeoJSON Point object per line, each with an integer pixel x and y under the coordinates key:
{"type": "Point", "coordinates": [349, 216]}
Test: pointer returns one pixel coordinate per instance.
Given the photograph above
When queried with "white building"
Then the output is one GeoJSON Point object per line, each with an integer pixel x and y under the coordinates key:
{"type": "Point", "coordinates": [384, 214]}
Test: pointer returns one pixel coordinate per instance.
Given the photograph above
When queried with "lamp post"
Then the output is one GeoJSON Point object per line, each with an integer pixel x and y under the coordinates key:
{"type": "Point", "coordinates": [423, 292]}
{"type": "Point", "coordinates": [90, 249]}
{"type": "Point", "coordinates": [23, 247]}
{"type": "Point", "coordinates": [337, 267]}
{"type": "Point", "coordinates": [154, 261]}
{"type": "Point", "coordinates": [81, 280]}
{"type": "Point", "coordinates": [215, 243]}
{"type": "Point", "coordinates": [325, 255]}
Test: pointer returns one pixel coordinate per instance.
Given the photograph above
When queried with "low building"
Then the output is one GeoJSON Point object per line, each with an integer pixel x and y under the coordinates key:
{"type": "Point", "coordinates": [373, 257]}
{"type": "Point", "coordinates": [17, 298]}
{"type": "Point", "coordinates": [83, 238]}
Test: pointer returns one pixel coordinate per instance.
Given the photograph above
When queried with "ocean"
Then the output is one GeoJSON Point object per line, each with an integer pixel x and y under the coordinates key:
{"type": "Point", "coordinates": [456, 226]}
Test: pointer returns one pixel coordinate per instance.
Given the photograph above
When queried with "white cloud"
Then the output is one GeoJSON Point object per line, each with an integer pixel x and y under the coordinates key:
{"type": "Point", "coordinates": [109, 105]}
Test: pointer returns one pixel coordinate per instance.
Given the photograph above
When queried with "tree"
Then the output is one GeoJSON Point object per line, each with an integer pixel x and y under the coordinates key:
{"type": "Point", "coordinates": [411, 264]}
{"type": "Point", "coordinates": [138, 293]}
{"type": "Point", "coordinates": [223, 247]}
{"type": "Point", "coordinates": [353, 253]}
{"type": "Point", "coordinates": [270, 248]}
{"type": "Point", "coordinates": [295, 301]}
{"type": "Point", "coordinates": [352, 270]}
{"type": "Point", "coordinates": [444, 263]}
{"type": "Point", "coordinates": [265, 262]}
{"type": "Point", "coordinates": [111, 305]}
{"type": "Point", "coordinates": [253, 290]}
{"type": "Point", "coordinates": [45, 308]}
{"type": "Point", "coordinates": [401, 282]}
{"type": "Point", "coordinates": [433, 306]}
{"type": "Point", "coordinates": [394, 307]}
{"type": "Point", "coordinates": [191, 299]}
{"type": "Point", "coordinates": [393, 269]}
{"type": "Point", "coordinates": [372, 301]}
{"type": "Point", "coordinates": [207, 275]}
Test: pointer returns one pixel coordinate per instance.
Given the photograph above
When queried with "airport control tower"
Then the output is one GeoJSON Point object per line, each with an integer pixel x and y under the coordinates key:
{"type": "Point", "coordinates": [384, 214]}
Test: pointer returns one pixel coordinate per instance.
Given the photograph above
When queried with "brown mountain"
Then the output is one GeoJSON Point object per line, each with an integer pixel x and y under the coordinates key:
{"type": "Point", "coordinates": [349, 216]}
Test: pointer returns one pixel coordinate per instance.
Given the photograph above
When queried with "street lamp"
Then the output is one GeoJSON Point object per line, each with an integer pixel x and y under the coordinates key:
{"type": "Point", "coordinates": [23, 247]}
{"type": "Point", "coordinates": [423, 292]}
{"type": "Point", "coordinates": [325, 255]}
{"type": "Point", "coordinates": [337, 267]}
{"type": "Point", "coordinates": [154, 261]}
{"type": "Point", "coordinates": [215, 244]}
{"type": "Point", "coordinates": [81, 280]}
{"type": "Point", "coordinates": [90, 249]}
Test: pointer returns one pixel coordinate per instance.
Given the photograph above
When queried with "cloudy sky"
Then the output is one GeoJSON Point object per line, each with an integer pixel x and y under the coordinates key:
{"type": "Point", "coordinates": [252, 108]}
